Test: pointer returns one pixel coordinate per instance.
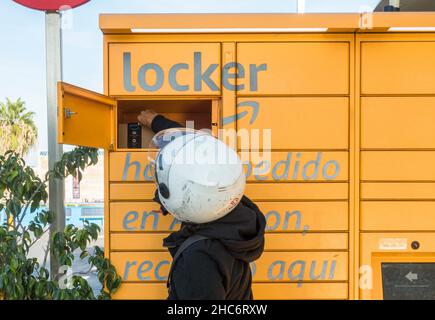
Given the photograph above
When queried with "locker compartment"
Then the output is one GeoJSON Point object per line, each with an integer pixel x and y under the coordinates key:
{"type": "Point", "coordinates": [255, 191]}
{"type": "Point", "coordinates": [297, 191]}
{"type": "Point", "coordinates": [281, 217]}
{"type": "Point", "coordinates": [271, 267]}
{"type": "Point", "coordinates": [398, 215]}
{"type": "Point", "coordinates": [311, 216]}
{"type": "Point", "coordinates": [305, 241]}
{"type": "Point", "coordinates": [130, 166]}
{"type": "Point", "coordinates": [398, 166]}
{"type": "Point", "coordinates": [398, 191]}
{"type": "Point", "coordinates": [267, 167]}
{"type": "Point", "coordinates": [307, 67]}
{"type": "Point", "coordinates": [410, 246]}
{"type": "Point", "coordinates": [141, 216]}
{"type": "Point", "coordinates": [196, 113]}
{"type": "Point", "coordinates": [147, 241]}
{"type": "Point", "coordinates": [412, 126]}
{"type": "Point", "coordinates": [142, 266]}
{"type": "Point", "coordinates": [295, 166]}
{"type": "Point", "coordinates": [91, 119]}
{"type": "Point", "coordinates": [306, 291]}
{"type": "Point", "coordinates": [132, 191]}
{"type": "Point", "coordinates": [307, 123]}
{"type": "Point", "coordinates": [141, 291]}
{"type": "Point", "coordinates": [137, 241]}
{"type": "Point", "coordinates": [300, 266]}
{"type": "Point", "coordinates": [283, 291]}
{"type": "Point", "coordinates": [397, 67]}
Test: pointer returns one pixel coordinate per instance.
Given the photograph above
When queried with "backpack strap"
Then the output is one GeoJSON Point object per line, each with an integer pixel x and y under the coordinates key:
{"type": "Point", "coordinates": [187, 243]}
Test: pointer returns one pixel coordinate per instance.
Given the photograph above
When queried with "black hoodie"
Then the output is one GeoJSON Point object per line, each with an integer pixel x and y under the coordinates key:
{"type": "Point", "coordinates": [216, 268]}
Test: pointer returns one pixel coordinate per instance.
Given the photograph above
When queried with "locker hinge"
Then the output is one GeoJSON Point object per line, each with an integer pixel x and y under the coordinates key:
{"type": "Point", "coordinates": [69, 113]}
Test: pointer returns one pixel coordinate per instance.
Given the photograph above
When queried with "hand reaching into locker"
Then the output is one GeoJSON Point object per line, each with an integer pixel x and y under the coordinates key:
{"type": "Point", "coordinates": [146, 117]}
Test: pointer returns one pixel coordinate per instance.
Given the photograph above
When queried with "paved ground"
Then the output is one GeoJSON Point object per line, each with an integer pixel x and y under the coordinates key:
{"type": "Point", "coordinates": [38, 251]}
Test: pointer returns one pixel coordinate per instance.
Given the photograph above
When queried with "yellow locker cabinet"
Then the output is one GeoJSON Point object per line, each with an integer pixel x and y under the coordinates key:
{"type": "Point", "coordinates": [396, 216]}
{"type": "Point", "coordinates": [335, 130]}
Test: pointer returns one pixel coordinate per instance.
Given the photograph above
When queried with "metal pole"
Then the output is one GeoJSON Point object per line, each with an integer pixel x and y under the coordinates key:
{"type": "Point", "coordinates": [300, 6]}
{"type": "Point", "coordinates": [53, 38]}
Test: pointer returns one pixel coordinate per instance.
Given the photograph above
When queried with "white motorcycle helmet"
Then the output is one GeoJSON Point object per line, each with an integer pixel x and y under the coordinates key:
{"type": "Point", "coordinates": [199, 178]}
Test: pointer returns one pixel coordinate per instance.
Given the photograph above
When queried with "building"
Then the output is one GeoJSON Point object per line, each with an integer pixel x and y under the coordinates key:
{"type": "Point", "coordinates": [410, 5]}
{"type": "Point", "coordinates": [90, 190]}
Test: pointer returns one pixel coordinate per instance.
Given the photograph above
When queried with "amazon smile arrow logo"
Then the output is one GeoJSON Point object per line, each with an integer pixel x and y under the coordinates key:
{"type": "Point", "coordinates": [253, 105]}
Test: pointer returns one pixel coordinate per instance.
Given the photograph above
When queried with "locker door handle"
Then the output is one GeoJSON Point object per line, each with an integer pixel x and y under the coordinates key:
{"type": "Point", "coordinates": [69, 113]}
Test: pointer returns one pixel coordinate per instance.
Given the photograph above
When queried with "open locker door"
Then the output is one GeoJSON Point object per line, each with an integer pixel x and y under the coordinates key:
{"type": "Point", "coordinates": [85, 118]}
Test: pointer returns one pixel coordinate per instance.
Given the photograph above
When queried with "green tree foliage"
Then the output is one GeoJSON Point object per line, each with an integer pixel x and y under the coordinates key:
{"type": "Point", "coordinates": [22, 277]}
{"type": "Point", "coordinates": [18, 131]}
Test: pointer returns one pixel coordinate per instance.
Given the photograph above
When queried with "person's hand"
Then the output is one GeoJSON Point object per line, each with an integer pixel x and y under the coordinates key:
{"type": "Point", "coordinates": [146, 117]}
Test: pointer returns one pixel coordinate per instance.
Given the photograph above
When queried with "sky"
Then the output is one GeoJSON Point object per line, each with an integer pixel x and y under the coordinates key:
{"type": "Point", "coordinates": [22, 41]}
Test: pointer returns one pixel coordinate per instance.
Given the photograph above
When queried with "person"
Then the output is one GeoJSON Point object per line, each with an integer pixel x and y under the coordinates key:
{"type": "Point", "coordinates": [218, 266]}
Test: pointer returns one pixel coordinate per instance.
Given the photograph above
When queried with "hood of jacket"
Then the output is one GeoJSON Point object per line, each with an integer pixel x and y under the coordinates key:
{"type": "Point", "coordinates": [241, 232]}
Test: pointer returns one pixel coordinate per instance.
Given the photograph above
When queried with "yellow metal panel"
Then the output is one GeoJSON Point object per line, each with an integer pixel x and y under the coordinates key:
{"type": "Point", "coordinates": [142, 266]}
{"type": "Point", "coordinates": [391, 242]}
{"type": "Point", "coordinates": [297, 123]}
{"type": "Point", "coordinates": [280, 216]}
{"type": "Point", "coordinates": [275, 166]}
{"type": "Point", "coordinates": [163, 56]}
{"type": "Point", "coordinates": [306, 241]}
{"type": "Point", "coordinates": [398, 215]}
{"type": "Point", "coordinates": [256, 191]}
{"type": "Point", "coordinates": [398, 165]}
{"type": "Point", "coordinates": [139, 291]}
{"type": "Point", "coordinates": [296, 166]}
{"type": "Point", "coordinates": [399, 191]}
{"type": "Point", "coordinates": [130, 166]}
{"type": "Point", "coordinates": [300, 266]}
{"type": "Point", "coordinates": [139, 216]}
{"type": "Point", "coordinates": [117, 23]}
{"type": "Point", "coordinates": [229, 37]}
{"type": "Point", "coordinates": [297, 191]}
{"type": "Point", "coordinates": [395, 242]}
{"type": "Point", "coordinates": [397, 122]}
{"type": "Point", "coordinates": [398, 67]}
{"type": "Point", "coordinates": [334, 22]}
{"type": "Point", "coordinates": [274, 241]}
{"type": "Point", "coordinates": [379, 258]}
{"type": "Point", "coordinates": [285, 266]}
{"type": "Point", "coordinates": [132, 191]}
{"type": "Point", "coordinates": [300, 216]}
{"type": "Point", "coordinates": [85, 118]}
{"type": "Point", "coordinates": [306, 291]}
{"type": "Point", "coordinates": [137, 241]}
{"type": "Point", "coordinates": [307, 67]}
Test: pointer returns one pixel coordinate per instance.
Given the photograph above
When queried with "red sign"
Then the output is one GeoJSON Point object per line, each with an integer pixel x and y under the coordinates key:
{"type": "Point", "coordinates": [50, 5]}
{"type": "Point", "coordinates": [76, 188]}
